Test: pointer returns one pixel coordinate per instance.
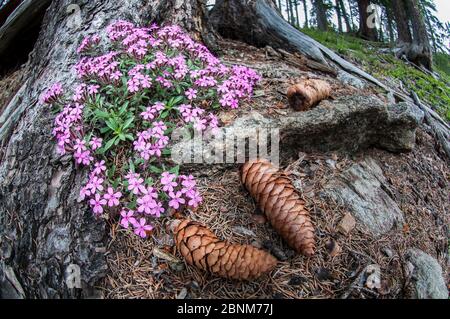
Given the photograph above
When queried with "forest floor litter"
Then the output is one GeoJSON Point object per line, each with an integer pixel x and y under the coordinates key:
{"type": "Point", "coordinates": [343, 266]}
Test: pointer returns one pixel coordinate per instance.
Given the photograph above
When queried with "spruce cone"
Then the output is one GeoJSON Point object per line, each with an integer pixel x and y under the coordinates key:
{"type": "Point", "coordinates": [277, 198]}
{"type": "Point", "coordinates": [307, 94]}
{"type": "Point", "coordinates": [201, 248]}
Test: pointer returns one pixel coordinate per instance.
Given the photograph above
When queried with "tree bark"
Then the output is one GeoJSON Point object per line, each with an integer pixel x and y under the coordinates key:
{"type": "Point", "coordinates": [345, 16]}
{"type": "Point", "coordinates": [321, 14]}
{"type": "Point", "coordinates": [389, 19]}
{"type": "Point", "coordinates": [365, 31]}
{"type": "Point", "coordinates": [420, 51]}
{"type": "Point", "coordinates": [46, 236]}
{"type": "Point", "coordinates": [339, 16]}
{"type": "Point", "coordinates": [401, 20]}
{"type": "Point", "coordinates": [305, 10]}
{"type": "Point", "coordinates": [7, 9]}
{"type": "Point", "coordinates": [233, 18]}
{"type": "Point", "coordinates": [414, 48]}
{"type": "Point", "coordinates": [297, 14]}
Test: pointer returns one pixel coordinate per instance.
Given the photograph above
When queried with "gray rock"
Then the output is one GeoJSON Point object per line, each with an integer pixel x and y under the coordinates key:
{"type": "Point", "coordinates": [349, 124]}
{"type": "Point", "coordinates": [360, 188]}
{"type": "Point", "coordinates": [349, 79]}
{"type": "Point", "coordinates": [427, 276]}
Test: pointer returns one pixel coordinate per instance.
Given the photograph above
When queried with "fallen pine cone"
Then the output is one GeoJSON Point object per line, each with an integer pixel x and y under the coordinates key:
{"type": "Point", "coordinates": [278, 199]}
{"type": "Point", "coordinates": [307, 94]}
{"type": "Point", "coordinates": [201, 248]}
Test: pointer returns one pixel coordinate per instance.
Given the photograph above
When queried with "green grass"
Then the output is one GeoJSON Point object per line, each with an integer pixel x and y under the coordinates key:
{"type": "Point", "coordinates": [435, 92]}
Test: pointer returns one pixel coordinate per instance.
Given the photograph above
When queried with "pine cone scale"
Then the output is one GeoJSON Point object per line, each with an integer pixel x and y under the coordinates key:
{"type": "Point", "coordinates": [201, 248]}
{"type": "Point", "coordinates": [283, 207]}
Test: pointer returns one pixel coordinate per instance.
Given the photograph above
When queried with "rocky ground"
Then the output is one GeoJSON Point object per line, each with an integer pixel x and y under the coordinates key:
{"type": "Point", "coordinates": [381, 217]}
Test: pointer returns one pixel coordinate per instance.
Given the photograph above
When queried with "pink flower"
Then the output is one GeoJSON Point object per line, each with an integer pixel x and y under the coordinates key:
{"type": "Point", "coordinates": [97, 204]}
{"type": "Point", "coordinates": [84, 158]}
{"type": "Point", "coordinates": [127, 218]}
{"type": "Point", "coordinates": [112, 198]}
{"type": "Point", "coordinates": [158, 209]}
{"type": "Point", "coordinates": [93, 89]}
{"type": "Point", "coordinates": [95, 143]}
{"type": "Point", "coordinates": [191, 94]}
{"type": "Point", "coordinates": [146, 204]}
{"type": "Point", "coordinates": [167, 181]}
{"type": "Point", "coordinates": [141, 228]}
{"type": "Point", "coordinates": [195, 199]}
{"type": "Point", "coordinates": [135, 185]}
{"type": "Point", "coordinates": [99, 167]}
{"type": "Point", "coordinates": [200, 125]}
{"type": "Point", "coordinates": [159, 106]}
{"type": "Point", "coordinates": [188, 181]}
{"type": "Point", "coordinates": [52, 94]}
{"type": "Point", "coordinates": [84, 192]}
{"type": "Point", "coordinates": [148, 114]}
{"type": "Point", "coordinates": [176, 200]}
{"type": "Point", "coordinates": [95, 183]}
{"type": "Point", "coordinates": [79, 146]}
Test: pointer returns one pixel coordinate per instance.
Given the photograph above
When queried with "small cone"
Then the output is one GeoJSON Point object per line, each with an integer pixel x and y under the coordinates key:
{"type": "Point", "coordinates": [201, 248]}
{"type": "Point", "coordinates": [307, 94]}
{"type": "Point", "coordinates": [278, 199]}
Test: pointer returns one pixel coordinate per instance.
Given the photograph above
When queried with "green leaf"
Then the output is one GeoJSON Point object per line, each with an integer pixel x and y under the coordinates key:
{"type": "Point", "coordinates": [175, 170]}
{"type": "Point", "coordinates": [101, 114]}
{"type": "Point", "coordinates": [105, 129]}
{"type": "Point", "coordinates": [155, 169]}
{"type": "Point", "coordinates": [124, 107]}
{"type": "Point", "coordinates": [128, 122]}
{"type": "Point", "coordinates": [111, 125]}
{"type": "Point", "coordinates": [164, 114]}
{"type": "Point", "coordinates": [109, 144]}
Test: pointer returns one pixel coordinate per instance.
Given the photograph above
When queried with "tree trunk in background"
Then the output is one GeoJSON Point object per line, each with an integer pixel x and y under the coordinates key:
{"type": "Point", "coordinates": [288, 12]}
{"type": "Point", "coordinates": [420, 51]}
{"type": "Point", "coordinates": [293, 16]}
{"type": "Point", "coordinates": [430, 30]}
{"type": "Point", "coordinates": [351, 13]}
{"type": "Point", "coordinates": [321, 14]}
{"type": "Point", "coordinates": [389, 19]}
{"type": "Point", "coordinates": [259, 23]}
{"type": "Point", "coordinates": [297, 13]}
{"type": "Point", "coordinates": [305, 9]}
{"type": "Point", "coordinates": [345, 16]}
{"type": "Point", "coordinates": [365, 31]}
{"type": "Point", "coordinates": [339, 16]}
{"type": "Point", "coordinates": [45, 234]}
{"type": "Point", "coordinates": [401, 20]}
{"type": "Point", "coordinates": [415, 49]}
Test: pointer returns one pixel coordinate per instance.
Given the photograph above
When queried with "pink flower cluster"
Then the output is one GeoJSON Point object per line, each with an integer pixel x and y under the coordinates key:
{"type": "Point", "coordinates": [239, 85]}
{"type": "Point", "coordinates": [160, 79]}
{"type": "Point", "coordinates": [151, 142]}
{"type": "Point", "coordinates": [52, 94]}
{"type": "Point", "coordinates": [233, 84]}
{"type": "Point", "coordinates": [104, 68]}
{"type": "Point", "coordinates": [180, 190]}
{"type": "Point", "coordinates": [88, 43]}
{"type": "Point", "coordinates": [196, 116]}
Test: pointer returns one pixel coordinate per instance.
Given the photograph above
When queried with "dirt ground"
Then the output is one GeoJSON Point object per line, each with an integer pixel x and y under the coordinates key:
{"type": "Point", "coordinates": [419, 183]}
